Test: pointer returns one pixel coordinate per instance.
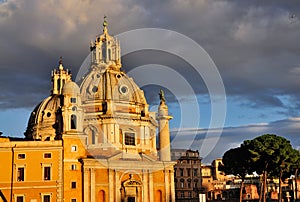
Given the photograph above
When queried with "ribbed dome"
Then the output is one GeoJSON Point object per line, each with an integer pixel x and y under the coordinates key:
{"type": "Point", "coordinates": [112, 85]}
{"type": "Point", "coordinates": [44, 119]}
{"type": "Point", "coordinates": [71, 88]}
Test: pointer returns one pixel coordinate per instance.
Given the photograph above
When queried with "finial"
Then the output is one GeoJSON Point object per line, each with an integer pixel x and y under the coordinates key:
{"type": "Point", "coordinates": [162, 96]}
{"type": "Point", "coordinates": [104, 23]}
{"type": "Point", "coordinates": [60, 63]}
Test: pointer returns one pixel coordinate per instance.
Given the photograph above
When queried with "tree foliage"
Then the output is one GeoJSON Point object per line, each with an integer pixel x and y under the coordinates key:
{"type": "Point", "coordinates": [236, 162]}
{"type": "Point", "coordinates": [269, 152]}
{"type": "Point", "coordinates": [269, 155]}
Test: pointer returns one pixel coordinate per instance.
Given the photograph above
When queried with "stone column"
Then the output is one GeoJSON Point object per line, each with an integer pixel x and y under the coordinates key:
{"type": "Point", "coordinates": [163, 119]}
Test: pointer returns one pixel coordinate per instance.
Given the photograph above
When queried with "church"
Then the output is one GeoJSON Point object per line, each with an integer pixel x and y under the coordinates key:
{"type": "Point", "coordinates": [94, 140]}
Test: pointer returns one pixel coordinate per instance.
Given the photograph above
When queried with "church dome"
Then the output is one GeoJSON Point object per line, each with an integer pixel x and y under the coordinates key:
{"type": "Point", "coordinates": [108, 84]}
{"type": "Point", "coordinates": [42, 124]}
{"type": "Point", "coordinates": [71, 88]}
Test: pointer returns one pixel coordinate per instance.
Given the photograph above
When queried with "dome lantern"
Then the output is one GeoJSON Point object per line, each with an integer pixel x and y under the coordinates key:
{"type": "Point", "coordinates": [106, 50]}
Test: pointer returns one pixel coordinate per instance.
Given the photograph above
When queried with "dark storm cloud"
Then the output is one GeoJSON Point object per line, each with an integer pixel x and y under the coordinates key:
{"type": "Point", "coordinates": [253, 43]}
{"type": "Point", "coordinates": [233, 136]}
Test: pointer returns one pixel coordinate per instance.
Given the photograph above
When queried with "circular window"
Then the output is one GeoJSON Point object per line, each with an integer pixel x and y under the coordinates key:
{"type": "Point", "coordinates": [123, 89]}
{"type": "Point", "coordinates": [48, 114]}
{"type": "Point", "coordinates": [98, 76]}
{"type": "Point", "coordinates": [118, 76]}
{"type": "Point", "coordinates": [74, 108]}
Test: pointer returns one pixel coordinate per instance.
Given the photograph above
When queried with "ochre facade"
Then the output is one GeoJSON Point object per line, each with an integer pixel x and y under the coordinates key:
{"type": "Point", "coordinates": [93, 140]}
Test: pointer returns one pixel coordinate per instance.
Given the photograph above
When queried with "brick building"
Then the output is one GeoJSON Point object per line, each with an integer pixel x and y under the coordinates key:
{"type": "Point", "coordinates": [187, 175]}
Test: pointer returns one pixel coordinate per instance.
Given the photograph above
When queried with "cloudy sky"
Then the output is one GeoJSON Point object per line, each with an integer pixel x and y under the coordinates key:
{"type": "Point", "coordinates": [254, 45]}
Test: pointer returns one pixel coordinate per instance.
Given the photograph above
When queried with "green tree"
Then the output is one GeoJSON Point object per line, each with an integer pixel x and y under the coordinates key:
{"type": "Point", "coordinates": [271, 156]}
{"type": "Point", "coordinates": [295, 165]}
{"type": "Point", "coordinates": [237, 162]}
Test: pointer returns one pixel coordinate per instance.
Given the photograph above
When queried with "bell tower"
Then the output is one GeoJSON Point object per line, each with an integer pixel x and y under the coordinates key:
{"type": "Point", "coordinates": [59, 78]}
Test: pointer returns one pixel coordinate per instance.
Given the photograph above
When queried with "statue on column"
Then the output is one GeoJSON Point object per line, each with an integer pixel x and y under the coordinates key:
{"type": "Point", "coordinates": [162, 96]}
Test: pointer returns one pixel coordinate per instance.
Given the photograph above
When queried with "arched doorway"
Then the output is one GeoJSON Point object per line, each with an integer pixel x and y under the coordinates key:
{"type": "Point", "coordinates": [131, 190]}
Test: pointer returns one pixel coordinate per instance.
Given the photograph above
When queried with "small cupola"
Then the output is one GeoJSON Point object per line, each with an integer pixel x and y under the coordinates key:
{"type": "Point", "coordinates": [59, 77]}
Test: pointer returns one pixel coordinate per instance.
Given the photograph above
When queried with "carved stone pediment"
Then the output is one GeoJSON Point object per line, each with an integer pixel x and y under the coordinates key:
{"type": "Point", "coordinates": [131, 183]}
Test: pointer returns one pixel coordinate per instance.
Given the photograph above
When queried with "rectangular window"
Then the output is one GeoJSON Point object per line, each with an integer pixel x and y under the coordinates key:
{"type": "Point", "coordinates": [129, 139]}
{"type": "Point", "coordinates": [21, 156]}
{"type": "Point", "coordinates": [73, 167]}
{"type": "Point", "coordinates": [74, 148]}
{"type": "Point", "coordinates": [20, 174]}
{"type": "Point", "coordinates": [46, 198]}
{"type": "Point", "coordinates": [47, 155]}
{"type": "Point", "coordinates": [47, 173]}
{"type": "Point", "coordinates": [73, 200]}
{"type": "Point", "coordinates": [73, 100]}
{"type": "Point", "coordinates": [195, 172]}
{"type": "Point", "coordinates": [188, 170]}
{"type": "Point", "coordinates": [73, 185]}
{"type": "Point", "coordinates": [20, 199]}
{"type": "Point", "coordinates": [181, 171]}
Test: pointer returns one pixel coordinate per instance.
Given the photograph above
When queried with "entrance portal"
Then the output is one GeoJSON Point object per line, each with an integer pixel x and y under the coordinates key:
{"type": "Point", "coordinates": [131, 199]}
{"type": "Point", "coordinates": [131, 189]}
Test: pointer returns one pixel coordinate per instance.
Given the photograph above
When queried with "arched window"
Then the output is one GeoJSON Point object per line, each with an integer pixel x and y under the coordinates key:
{"type": "Point", "coordinates": [58, 84]}
{"type": "Point", "coordinates": [104, 52]}
{"type": "Point", "coordinates": [158, 196]}
{"type": "Point", "coordinates": [109, 54]}
{"type": "Point", "coordinates": [93, 137]}
{"type": "Point", "coordinates": [101, 196]}
{"type": "Point", "coordinates": [73, 121]}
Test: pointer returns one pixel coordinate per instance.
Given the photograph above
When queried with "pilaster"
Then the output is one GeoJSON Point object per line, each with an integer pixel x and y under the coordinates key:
{"type": "Point", "coordinates": [110, 186]}
{"type": "Point", "coordinates": [92, 185]}
{"type": "Point", "coordinates": [145, 186]}
{"type": "Point", "coordinates": [172, 186]}
{"type": "Point", "coordinates": [151, 191]}
{"type": "Point", "coordinates": [167, 185]}
{"type": "Point", "coordinates": [85, 184]}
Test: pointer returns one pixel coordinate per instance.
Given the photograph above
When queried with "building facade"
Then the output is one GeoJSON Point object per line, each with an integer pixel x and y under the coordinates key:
{"type": "Point", "coordinates": [91, 141]}
{"type": "Point", "coordinates": [188, 177]}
